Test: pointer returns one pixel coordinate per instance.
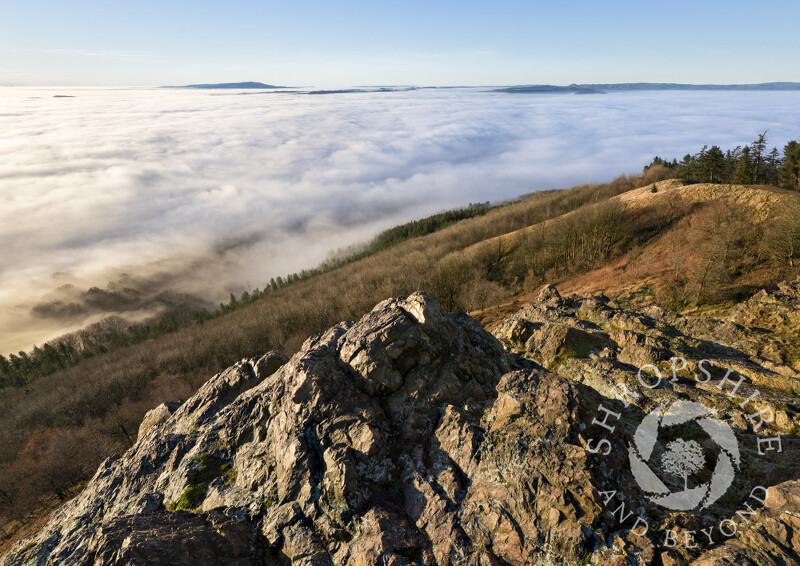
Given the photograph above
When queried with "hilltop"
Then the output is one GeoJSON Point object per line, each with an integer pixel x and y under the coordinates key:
{"type": "Point", "coordinates": [699, 249]}
{"type": "Point", "coordinates": [413, 436]}
{"type": "Point", "coordinates": [702, 245]}
{"type": "Point", "coordinates": [248, 84]}
{"type": "Point", "coordinates": [600, 88]}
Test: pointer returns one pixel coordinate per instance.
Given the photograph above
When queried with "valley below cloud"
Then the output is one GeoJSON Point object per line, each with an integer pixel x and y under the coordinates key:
{"type": "Point", "coordinates": [135, 201]}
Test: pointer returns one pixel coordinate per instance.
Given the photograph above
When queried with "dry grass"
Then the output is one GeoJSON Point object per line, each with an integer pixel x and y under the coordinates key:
{"type": "Point", "coordinates": [55, 431]}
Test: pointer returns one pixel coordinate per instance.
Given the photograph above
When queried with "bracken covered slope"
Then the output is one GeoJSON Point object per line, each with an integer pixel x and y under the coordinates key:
{"type": "Point", "coordinates": [413, 436]}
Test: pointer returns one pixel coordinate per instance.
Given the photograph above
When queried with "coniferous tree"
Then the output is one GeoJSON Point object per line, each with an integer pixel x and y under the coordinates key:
{"type": "Point", "coordinates": [731, 161]}
{"type": "Point", "coordinates": [773, 168]}
{"type": "Point", "coordinates": [711, 165]}
{"type": "Point", "coordinates": [743, 173]}
{"type": "Point", "coordinates": [688, 168]}
{"type": "Point", "coordinates": [790, 166]}
{"type": "Point", "coordinates": [758, 150]}
{"type": "Point", "coordinates": [6, 375]}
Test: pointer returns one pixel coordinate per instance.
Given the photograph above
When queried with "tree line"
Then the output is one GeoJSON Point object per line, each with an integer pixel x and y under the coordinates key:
{"type": "Point", "coordinates": [752, 164]}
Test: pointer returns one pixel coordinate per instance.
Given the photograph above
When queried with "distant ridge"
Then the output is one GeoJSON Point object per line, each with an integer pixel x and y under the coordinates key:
{"type": "Point", "coordinates": [249, 84]}
{"type": "Point", "coordinates": [602, 88]}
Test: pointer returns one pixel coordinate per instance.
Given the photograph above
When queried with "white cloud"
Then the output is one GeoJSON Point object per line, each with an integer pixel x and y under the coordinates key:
{"type": "Point", "coordinates": [131, 178]}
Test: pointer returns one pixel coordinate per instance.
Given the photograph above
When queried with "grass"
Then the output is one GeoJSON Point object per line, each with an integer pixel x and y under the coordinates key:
{"type": "Point", "coordinates": [230, 473]}
{"type": "Point", "coordinates": [579, 349]}
{"type": "Point", "coordinates": [207, 468]}
{"type": "Point", "coordinates": [82, 414]}
{"type": "Point", "coordinates": [190, 499]}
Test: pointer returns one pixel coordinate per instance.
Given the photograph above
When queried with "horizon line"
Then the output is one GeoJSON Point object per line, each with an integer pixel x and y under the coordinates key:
{"type": "Point", "coordinates": [396, 85]}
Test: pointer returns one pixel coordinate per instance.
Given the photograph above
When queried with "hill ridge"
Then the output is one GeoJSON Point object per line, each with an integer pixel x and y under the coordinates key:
{"type": "Point", "coordinates": [415, 436]}
{"type": "Point", "coordinates": [56, 430]}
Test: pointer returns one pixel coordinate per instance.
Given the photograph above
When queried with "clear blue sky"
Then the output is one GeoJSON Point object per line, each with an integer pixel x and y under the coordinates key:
{"type": "Point", "coordinates": [331, 43]}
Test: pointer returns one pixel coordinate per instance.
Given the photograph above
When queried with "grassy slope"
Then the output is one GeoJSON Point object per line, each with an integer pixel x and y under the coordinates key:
{"type": "Point", "coordinates": [653, 264]}
{"type": "Point", "coordinates": [643, 274]}
{"type": "Point", "coordinates": [55, 432]}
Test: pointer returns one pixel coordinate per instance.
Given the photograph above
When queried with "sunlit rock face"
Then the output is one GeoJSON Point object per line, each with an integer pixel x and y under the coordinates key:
{"type": "Point", "coordinates": [413, 436]}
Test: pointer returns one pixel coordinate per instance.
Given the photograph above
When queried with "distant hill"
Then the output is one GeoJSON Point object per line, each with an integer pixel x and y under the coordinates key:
{"type": "Point", "coordinates": [616, 87]}
{"type": "Point", "coordinates": [249, 84]}
{"type": "Point", "coordinates": [545, 89]}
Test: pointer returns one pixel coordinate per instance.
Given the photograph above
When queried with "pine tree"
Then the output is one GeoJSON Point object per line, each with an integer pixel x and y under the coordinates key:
{"type": "Point", "coordinates": [743, 173]}
{"type": "Point", "coordinates": [688, 168]}
{"type": "Point", "coordinates": [773, 167]}
{"type": "Point", "coordinates": [790, 167]}
{"type": "Point", "coordinates": [711, 165]}
{"type": "Point", "coordinates": [5, 372]}
{"type": "Point", "coordinates": [759, 149]}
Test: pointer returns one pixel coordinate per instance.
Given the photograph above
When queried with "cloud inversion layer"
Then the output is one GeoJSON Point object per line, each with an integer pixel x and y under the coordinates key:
{"type": "Point", "coordinates": [218, 191]}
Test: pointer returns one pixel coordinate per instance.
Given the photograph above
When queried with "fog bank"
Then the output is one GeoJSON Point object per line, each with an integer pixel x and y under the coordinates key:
{"type": "Point", "coordinates": [130, 201]}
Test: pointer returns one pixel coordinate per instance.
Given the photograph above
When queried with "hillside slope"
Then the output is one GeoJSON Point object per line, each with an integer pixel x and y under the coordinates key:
{"type": "Point", "coordinates": [697, 246]}
{"type": "Point", "coordinates": [703, 245]}
{"type": "Point", "coordinates": [413, 436]}
{"type": "Point", "coordinates": [737, 209]}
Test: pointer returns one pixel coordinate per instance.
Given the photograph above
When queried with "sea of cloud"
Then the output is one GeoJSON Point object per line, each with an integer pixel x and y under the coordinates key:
{"type": "Point", "coordinates": [163, 196]}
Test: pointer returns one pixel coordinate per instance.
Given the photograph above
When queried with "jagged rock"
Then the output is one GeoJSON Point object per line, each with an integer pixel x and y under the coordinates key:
{"type": "Point", "coordinates": [548, 294]}
{"type": "Point", "coordinates": [171, 539]}
{"type": "Point", "coordinates": [551, 341]}
{"type": "Point", "coordinates": [413, 437]}
{"type": "Point", "coordinates": [772, 536]}
{"type": "Point", "coordinates": [155, 416]}
{"type": "Point", "coordinates": [306, 454]}
{"type": "Point", "coordinates": [269, 363]}
{"type": "Point", "coordinates": [599, 344]}
{"type": "Point", "coordinates": [784, 497]}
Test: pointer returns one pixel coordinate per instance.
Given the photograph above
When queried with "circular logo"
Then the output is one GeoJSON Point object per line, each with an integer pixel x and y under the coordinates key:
{"type": "Point", "coordinates": [684, 460]}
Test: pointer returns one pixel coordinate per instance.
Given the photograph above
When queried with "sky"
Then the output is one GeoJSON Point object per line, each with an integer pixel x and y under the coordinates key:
{"type": "Point", "coordinates": [130, 200]}
{"type": "Point", "coordinates": [465, 42]}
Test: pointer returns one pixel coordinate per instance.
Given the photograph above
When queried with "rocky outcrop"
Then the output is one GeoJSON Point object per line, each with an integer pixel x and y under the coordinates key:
{"type": "Point", "coordinates": [413, 436]}
{"type": "Point", "coordinates": [170, 539]}
{"type": "Point", "coordinates": [772, 537]}
{"type": "Point", "coordinates": [594, 341]}
{"type": "Point", "coordinates": [157, 415]}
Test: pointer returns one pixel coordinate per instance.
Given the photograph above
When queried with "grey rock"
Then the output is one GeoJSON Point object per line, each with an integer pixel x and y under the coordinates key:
{"type": "Point", "coordinates": [155, 416]}
{"type": "Point", "coordinates": [413, 436]}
